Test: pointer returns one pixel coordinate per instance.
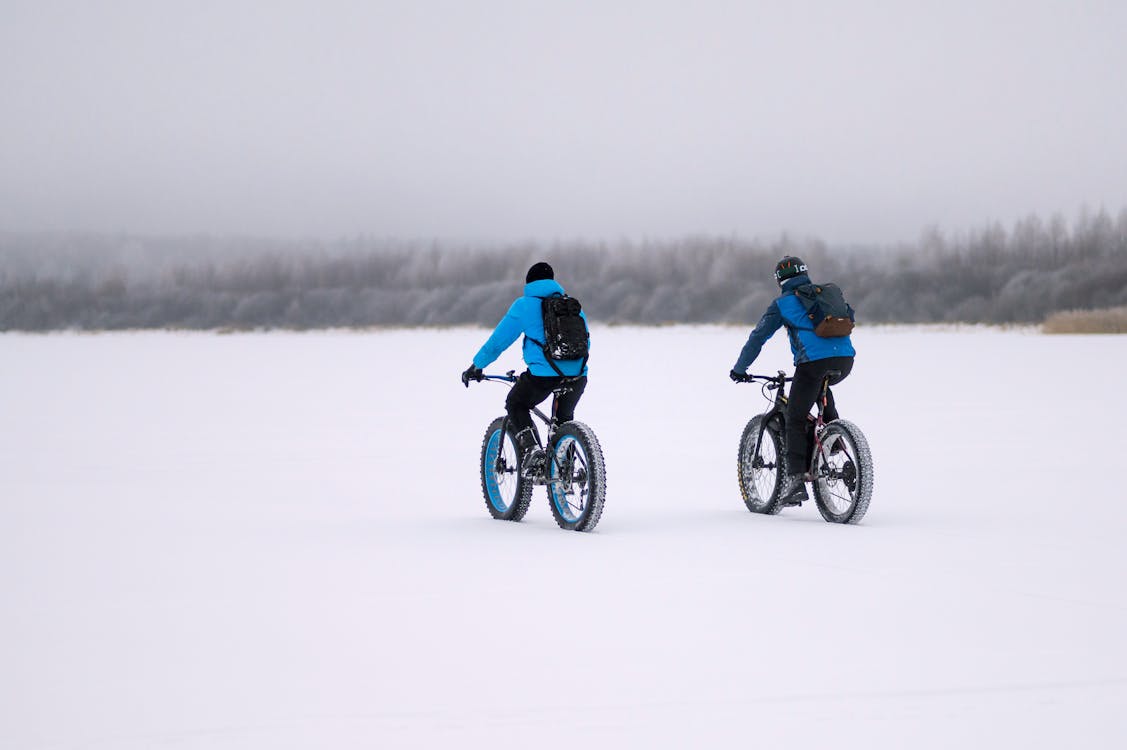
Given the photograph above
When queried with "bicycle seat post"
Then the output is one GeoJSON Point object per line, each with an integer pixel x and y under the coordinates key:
{"type": "Point", "coordinates": [823, 398]}
{"type": "Point", "coordinates": [559, 390]}
{"type": "Point", "coordinates": [554, 422]}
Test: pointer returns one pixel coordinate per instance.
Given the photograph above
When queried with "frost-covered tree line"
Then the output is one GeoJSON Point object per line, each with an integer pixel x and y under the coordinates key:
{"type": "Point", "coordinates": [989, 275]}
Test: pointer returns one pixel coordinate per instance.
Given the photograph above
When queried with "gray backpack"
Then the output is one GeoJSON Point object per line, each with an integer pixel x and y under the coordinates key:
{"type": "Point", "coordinates": [827, 309]}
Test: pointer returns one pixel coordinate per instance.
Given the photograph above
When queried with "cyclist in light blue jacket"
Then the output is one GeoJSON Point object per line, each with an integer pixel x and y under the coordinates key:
{"type": "Point", "coordinates": [541, 378]}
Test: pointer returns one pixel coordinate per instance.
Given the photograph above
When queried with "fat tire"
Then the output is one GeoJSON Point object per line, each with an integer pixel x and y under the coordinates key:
{"type": "Point", "coordinates": [864, 480]}
{"type": "Point", "coordinates": [771, 436]}
{"type": "Point", "coordinates": [522, 497]}
{"type": "Point", "coordinates": [596, 479]}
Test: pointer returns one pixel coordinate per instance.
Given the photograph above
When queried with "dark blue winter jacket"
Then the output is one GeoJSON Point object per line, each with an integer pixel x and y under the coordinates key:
{"type": "Point", "coordinates": [524, 316]}
{"type": "Point", "coordinates": [788, 311]}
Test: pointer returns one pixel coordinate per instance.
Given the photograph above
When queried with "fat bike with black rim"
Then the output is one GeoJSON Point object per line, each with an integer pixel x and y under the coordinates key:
{"type": "Point", "coordinates": [841, 464]}
{"type": "Point", "coordinates": [574, 472]}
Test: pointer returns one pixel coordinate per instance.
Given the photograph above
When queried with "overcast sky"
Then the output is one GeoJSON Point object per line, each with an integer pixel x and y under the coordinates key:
{"type": "Point", "coordinates": [493, 119]}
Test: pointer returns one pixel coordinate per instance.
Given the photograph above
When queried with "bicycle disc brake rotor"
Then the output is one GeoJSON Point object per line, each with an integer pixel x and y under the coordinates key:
{"type": "Point", "coordinates": [849, 475]}
{"type": "Point", "coordinates": [839, 466]}
{"type": "Point", "coordinates": [571, 482]}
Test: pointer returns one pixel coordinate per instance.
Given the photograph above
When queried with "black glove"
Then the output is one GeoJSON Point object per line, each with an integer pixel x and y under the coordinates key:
{"type": "Point", "coordinates": [472, 373]}
{"type": "Point", "coordinates": [738, 377]}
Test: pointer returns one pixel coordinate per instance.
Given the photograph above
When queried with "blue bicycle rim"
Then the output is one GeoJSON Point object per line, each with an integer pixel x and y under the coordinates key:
{"type": "Point", "coordinates": [491, 452]}
{"type": "Point", "coordinates": [564, 509]}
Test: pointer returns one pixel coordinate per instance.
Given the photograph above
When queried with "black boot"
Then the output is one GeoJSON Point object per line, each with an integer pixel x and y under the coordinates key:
{"type": "Point", "coordinates": [532, 456]}
{"type": "Point", "coordinates": [793, 491]}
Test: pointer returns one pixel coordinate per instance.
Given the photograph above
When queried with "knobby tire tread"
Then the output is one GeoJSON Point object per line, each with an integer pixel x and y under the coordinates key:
{"type": "Point", "coordinates": [750, 433]}
{"type": "Point", "coordinates": [864, 475]}
{"type": "Point", "coordinates": [598, 477]}
{"type": "Point", "coordinates": [523, 498]}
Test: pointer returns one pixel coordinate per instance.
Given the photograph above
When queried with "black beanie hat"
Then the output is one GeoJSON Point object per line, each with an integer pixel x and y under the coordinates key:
{"type": "Point", "coordinates": [538, 272]}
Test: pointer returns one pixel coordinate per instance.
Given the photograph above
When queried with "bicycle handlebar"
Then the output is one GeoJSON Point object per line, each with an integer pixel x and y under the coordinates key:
{"type": "Point", "coordinates": [778, 379]}
{"type": "Point", "coordinates": [511, 377]}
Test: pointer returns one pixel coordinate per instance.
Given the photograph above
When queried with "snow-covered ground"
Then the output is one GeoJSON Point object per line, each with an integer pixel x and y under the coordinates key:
{"type": "Point", "coordinates": [278, 541]}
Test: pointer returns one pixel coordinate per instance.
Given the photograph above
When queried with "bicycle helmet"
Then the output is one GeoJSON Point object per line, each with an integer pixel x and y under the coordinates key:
{"type": "Point", "coordinates": [788, 268]}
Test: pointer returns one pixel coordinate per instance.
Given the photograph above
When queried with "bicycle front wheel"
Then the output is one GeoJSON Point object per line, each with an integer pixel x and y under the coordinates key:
{"type": "Point", "coordinates": [843, 473]}
{"type": "Point", "coordinates": [577, 483]}
{"type": "Point", "coordinates": [507, 493]}
{"type": "Point", "coordinates": [759, 464]}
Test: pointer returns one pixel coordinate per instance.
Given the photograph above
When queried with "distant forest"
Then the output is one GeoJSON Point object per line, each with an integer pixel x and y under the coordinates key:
{"type": "Point", "coordinates": [991, 275]}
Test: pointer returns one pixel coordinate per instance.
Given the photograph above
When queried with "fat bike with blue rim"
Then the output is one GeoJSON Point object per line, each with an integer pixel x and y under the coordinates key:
{"type": "Point", "coordinates": [574, 471]}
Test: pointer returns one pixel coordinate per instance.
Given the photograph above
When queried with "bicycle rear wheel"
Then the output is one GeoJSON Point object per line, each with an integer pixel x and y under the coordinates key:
{"type": "Point", "coordinates": [577, 483]}
{"type": "Point", "coordinates": [843, 473]}
{"type": "Point", "coordinates": [507, 493]}
{"type": "Point", "coordinates": [759, 464]}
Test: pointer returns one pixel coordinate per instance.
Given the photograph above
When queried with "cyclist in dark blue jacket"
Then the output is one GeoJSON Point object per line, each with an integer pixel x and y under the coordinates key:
{"type": "Point", "coordinates": [540, 379]}
{"type": "Point", "coordinates": [814, 357]}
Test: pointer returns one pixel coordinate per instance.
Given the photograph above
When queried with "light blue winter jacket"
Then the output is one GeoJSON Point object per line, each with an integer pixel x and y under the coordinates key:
{"type": "Point", "coordinates": [806, 345]}
{"type": "Point", "coordinates": [524, 317]}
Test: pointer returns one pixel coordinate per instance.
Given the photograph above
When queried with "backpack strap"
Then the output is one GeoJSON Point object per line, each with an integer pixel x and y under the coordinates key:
{"type": "Point", "coordinates": [540, 344]}
{"type": "Point", "coordinates": [553, 366]}
{"type": "Point", "coordinates": [806, 294]}
{"type": "Point", "coordinates": [526, 336]}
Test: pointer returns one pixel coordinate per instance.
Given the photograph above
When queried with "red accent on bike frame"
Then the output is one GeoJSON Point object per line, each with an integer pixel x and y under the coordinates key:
{"type": "Point", "coordinates": [819, 424]}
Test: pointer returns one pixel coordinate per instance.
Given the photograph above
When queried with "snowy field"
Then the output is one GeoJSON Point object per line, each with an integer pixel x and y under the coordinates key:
{"type": "Point", "coordinates": [279, 541]}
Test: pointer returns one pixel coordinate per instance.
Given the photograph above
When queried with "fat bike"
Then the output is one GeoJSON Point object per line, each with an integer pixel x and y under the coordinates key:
{"type": "Point", "coordinates": [574, 472]}
{"type": "Point", "coordinates": [841, 464]}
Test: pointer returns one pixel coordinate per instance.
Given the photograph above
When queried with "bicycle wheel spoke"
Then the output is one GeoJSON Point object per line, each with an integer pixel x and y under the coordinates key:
{"type": "Point", "coordinates": [569, 485]}
{"type": "Point", "coordinates": [840, 499]}
{"type": "Point", "coordinates": [576, 486]}
{"type": "Point", "coordinates": [844, 472]}
{"type": "Point", "coordinates": [760, 466]}
{"type": "Point", "coordinates": [506, 493]}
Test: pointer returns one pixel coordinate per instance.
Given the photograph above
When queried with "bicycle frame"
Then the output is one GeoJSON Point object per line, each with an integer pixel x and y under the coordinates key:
{"type": "Point", "coordinates": [550, 422]}
{"type": "Point", "coordinates": [778, 383]}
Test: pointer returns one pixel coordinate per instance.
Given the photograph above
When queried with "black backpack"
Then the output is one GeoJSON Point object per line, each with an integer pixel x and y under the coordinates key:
{"type": "Point", "coordinates": [827, 309]}
{"type": "Point", "coordinates": [565, 331]}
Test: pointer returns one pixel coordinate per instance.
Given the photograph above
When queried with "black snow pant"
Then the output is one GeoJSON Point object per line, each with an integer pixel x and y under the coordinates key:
{"type": "Point", "coordinates": [803, 393]}
{"type": "Point", "coordinates": [530, 390]}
